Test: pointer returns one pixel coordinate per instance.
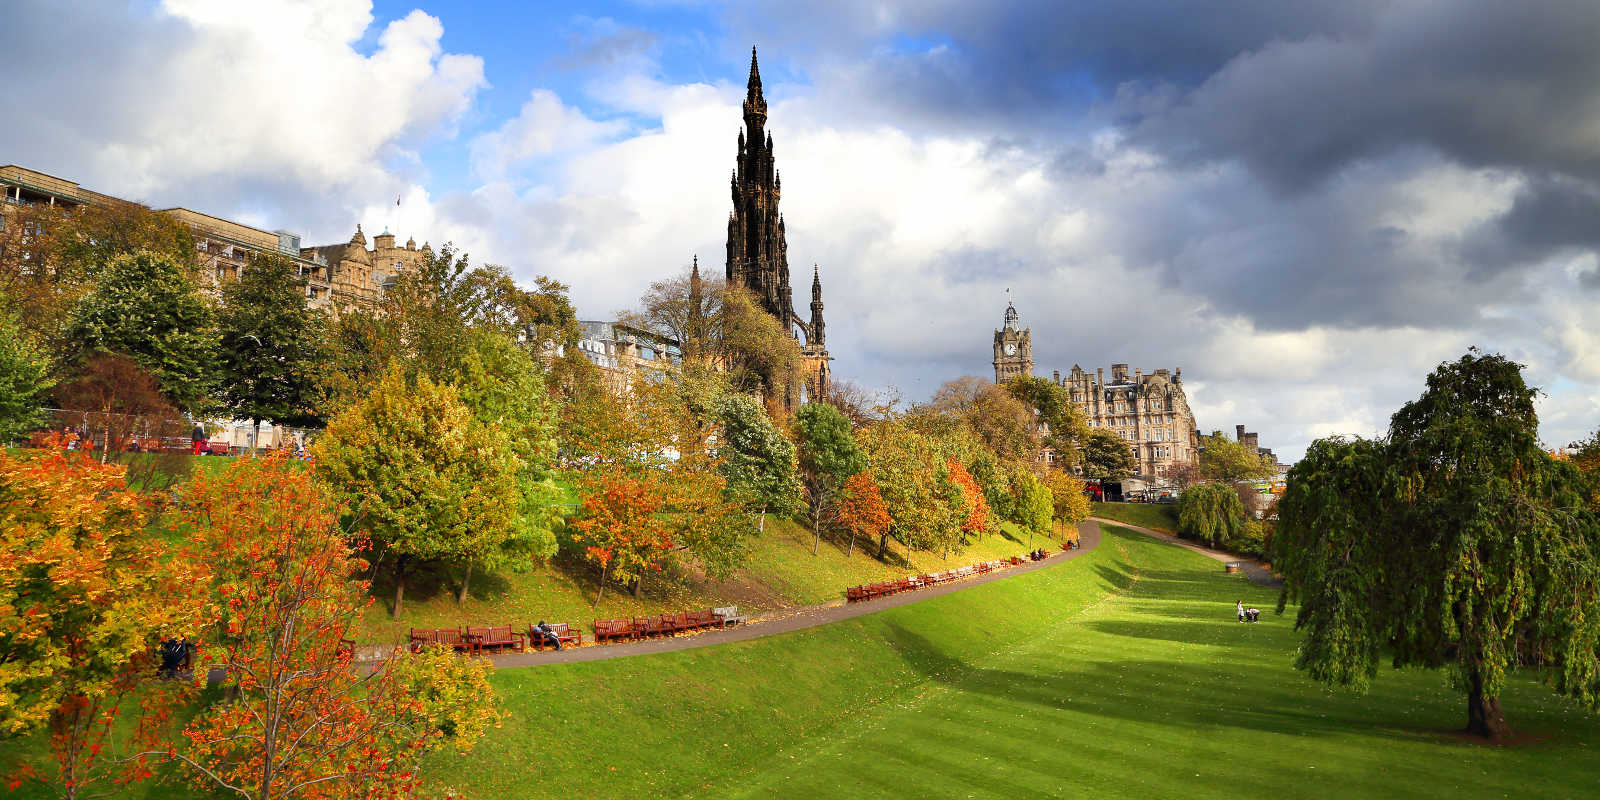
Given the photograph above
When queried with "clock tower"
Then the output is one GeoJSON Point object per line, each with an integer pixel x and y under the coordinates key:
{"type": "Point", "coordinates": [1013, 349]}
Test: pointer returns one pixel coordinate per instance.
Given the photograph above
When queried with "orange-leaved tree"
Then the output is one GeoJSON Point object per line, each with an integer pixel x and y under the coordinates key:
{"type": "Point", "coordinates": [861, 509]}
{"type": "Point", "coordinates": [84, 596]}
{"type": "Point", "coordinates": [977, 520]}
{"type": "Point", "coordinates": [620, 525]}
{"type": "Point", "coordinates": [302, 720]}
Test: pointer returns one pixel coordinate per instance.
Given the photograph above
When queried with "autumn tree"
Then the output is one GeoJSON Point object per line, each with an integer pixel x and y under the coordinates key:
{"type": "Point", "coordinates": [84, 595]}
{"type": "Point", "coordinates": [1223, 459]}
{"type": "Point", "coordinates": [24, 378]}
{"type": "Point", "coordinates": [50, 257]}
{"type": "Point", "coordinates": [977, 506]}
{"type": "Point", "coordinates": [1457, 544]}
{"type": "Point", "coordinates": [1003, 422]}
{"type": "Point", "coordinates": [686, 308]}
{"type": "Point", "coordinates": [421, 476]}
{"type": "Point", "coordinates": [1107, 456]}
{"type": "Point", "coordinates": [1069, 506]}
{"type": "Point", "coordinates": [119, 398]}
{"type": "Point", "coordinates": [828, 455]}
{"type": "Point", "coordinates": [1035, 506]}
{"type": "Point", "coordinates": [862, 511]}
{"type": "Point", "coordinates": [540, 319]}
{"type": "Point", "coordinates": [303, 719]}
{"type": "Point", "coordinates": [754, 457]}
{"type": "Point", "coordinates": [268, 346]}
{"type": "Point", "coordinates": [147, 307]}
{"type": "Point", "coordinates": [1062, 422]}
{"type": "Point", "coordinates": [1211, 513]}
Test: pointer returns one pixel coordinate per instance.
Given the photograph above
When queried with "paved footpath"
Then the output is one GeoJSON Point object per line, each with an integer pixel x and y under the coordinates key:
{"type": "Point", "coordinates": [797, 619]}
{"type": "Point", "coordinates": [1253, 570]}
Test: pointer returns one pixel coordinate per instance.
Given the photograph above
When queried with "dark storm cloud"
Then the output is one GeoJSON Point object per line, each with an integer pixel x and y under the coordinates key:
{"type": "Point", "coordinates": [1321, 110]}
{"type": "Point", "coordinates": [1487, 84]}
{"type": "Point", "coordinates": [959, 61]}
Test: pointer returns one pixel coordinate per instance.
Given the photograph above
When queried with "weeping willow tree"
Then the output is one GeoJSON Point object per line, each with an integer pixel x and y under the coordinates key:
{"type": "Point", "coordinates": [1457, 543]}
{"type": "Point", "coordinates": [1210, 512]}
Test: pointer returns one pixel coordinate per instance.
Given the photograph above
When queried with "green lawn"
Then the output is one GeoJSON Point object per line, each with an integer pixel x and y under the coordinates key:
{"type": "Point", "coordinates": [1119, 674]}
{"type": "Point", "coordinates": [1155, 516]}
{"type": "Point", "coordinates": [781, 573]}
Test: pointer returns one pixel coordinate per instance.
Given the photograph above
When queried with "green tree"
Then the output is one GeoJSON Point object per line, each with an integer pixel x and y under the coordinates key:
{"type": "Point", "coordinates": [24, 378]}
{"type": "Point", "coordinates": [1063, 422]}
{"type": "Point", "coordinates": [1210, 512]}
{"type": "Point", "coordinates": [269, 345]}
{"type": "Point", "coordinates": [1457, 544]}
{"type": "Point", "coordinates": [1223, 459]}
{"type": "Point", "coordinates": [1106, 456]}
{"type": "Point", "coordinates": [505, 389]}
{"type": "Point", "coordinates": [147, 307]}
{"type": "Point", "coordinates": [754, 457]}
{"type": "Point", "coordinates": [1035, 504]}
{"type": "Point", "coordinates": [829, 455]}
{"type": "Point", "coordinates": [423, 477]}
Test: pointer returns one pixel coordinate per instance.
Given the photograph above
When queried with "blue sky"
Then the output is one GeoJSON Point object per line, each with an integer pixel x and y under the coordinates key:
{"type": "Point", "coordinates": [1304, 206]}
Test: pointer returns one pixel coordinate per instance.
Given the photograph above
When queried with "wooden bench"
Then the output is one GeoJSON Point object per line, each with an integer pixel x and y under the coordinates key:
{"type": "Point", "coordinates": [614, 629]}
{"type": "Point", "coordinates": [450, 637]}
{"type": "Point", "coordinates": [565, 632]}
{"type": "Point", "coordinates": [658, 626]}
{"type": "Point", "coordinates": [498, 637]}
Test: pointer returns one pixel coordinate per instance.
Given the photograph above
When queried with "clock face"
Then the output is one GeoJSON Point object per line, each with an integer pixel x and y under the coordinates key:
{"type": "Point", "coordinates": [1011, 349]}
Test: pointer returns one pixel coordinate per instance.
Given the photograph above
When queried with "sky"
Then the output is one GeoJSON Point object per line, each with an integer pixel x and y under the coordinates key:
{"type": "Point", "coordinates": [1305, 206]}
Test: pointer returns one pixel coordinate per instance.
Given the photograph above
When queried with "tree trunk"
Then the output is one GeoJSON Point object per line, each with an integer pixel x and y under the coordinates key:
{"type": "Point", "coordinates": [255, 437]}
{"type": "Point", "coordinates": [762, 528]}
{"type": "Point", "coordinates": [1483, 713]}
{"type": "Point", "coordinates": [399, 585]}
{"type": "Point", "coordinates": [638, 586]}
{"type": "Point", "coordinates": [465, 578]}
{"type": "Point", "coordinates": [883, 547]}
{"type": "Point", "coordinates": [852, 548]}
{"type": "Point", "coordinates": [601, 592]}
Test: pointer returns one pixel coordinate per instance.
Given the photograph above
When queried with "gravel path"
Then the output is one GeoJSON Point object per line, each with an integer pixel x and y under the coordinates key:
{"type": "Point", "coordinates": [1253, 570]}
{"type": "Point", "coordinates": [797, 619]}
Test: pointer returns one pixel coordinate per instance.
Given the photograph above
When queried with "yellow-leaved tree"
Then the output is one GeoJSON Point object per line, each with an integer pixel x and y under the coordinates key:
{"type": "Point", "coordinates": [422, 477]}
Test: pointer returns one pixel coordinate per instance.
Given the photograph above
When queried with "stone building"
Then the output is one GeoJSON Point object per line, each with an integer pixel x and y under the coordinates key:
{"type": "Point", "coordinates": [623, 353]}
{"type": "Point", "coordinates": [1013, 349]}
{"type": "Point", "coordinates": [758, 251]}
{"type": "Point", "coordinates": [1252, 444]}
{"type": "Point", "coordinates": [337, 276]}
{"type": "Point", "coordinates": [1149, 411]}
{"type": "Point", "coordinates": [356, 274]}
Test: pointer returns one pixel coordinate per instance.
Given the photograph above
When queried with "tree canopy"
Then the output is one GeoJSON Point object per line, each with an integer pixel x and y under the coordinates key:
{"type": "Point", "coordinates": [422, 476]}
{"type": "Point", "coordinates": [1223, 459]}
{"type": "Point", "coordinates": [269, 345]}
{"type": "Point", "coordinates": [1106, 456]}
{"type": "Point", "coordinates": [1458, 543]}
{"type": "Point", "coordinates": [24, 378]}
{"type": "Point", "coordinates": [147, 307]}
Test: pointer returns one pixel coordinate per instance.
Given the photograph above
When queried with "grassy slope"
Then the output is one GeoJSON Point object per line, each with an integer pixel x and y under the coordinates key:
{"type": "Point", "coordinates": [781, 573]}
{"type": "Point", "coordinates": [1119, 674]}
{"type": "Point", "coordinates": [1156, 516]}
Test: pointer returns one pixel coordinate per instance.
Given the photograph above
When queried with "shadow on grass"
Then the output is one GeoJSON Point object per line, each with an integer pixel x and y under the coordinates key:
{"type": "Point", "coordinates": [1167, 694]}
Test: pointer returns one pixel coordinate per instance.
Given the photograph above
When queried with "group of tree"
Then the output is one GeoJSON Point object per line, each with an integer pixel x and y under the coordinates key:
{"type": "Point", "coordinates": [264, 580]}
{"type": "Point", "coordinates": [1454, 542]}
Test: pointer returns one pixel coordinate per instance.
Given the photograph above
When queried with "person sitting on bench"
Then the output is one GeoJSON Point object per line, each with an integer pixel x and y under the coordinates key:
{"type": "Point", "coordinates": [174, 652]}
{"type": "Point", "coordinates": [549, 636]}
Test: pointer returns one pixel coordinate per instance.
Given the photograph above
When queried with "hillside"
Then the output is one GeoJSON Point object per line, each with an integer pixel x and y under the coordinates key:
{"type": "Point", "coordinates": [781, 573]}
{"type": "Point", "coordinates": [1118, 674]}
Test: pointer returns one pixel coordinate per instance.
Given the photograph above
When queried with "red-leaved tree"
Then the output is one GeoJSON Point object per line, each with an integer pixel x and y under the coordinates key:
{"type": "Point", "coordinates": [977, 520]}
{"type": "Point", "coordinates": [861, 509]}
{"type": "Point", "coordinates": [620, 525]}
{"type": "Point", "coordinates": [300, 719]}
{"type": "Point", "coordinates": [84, 596]}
